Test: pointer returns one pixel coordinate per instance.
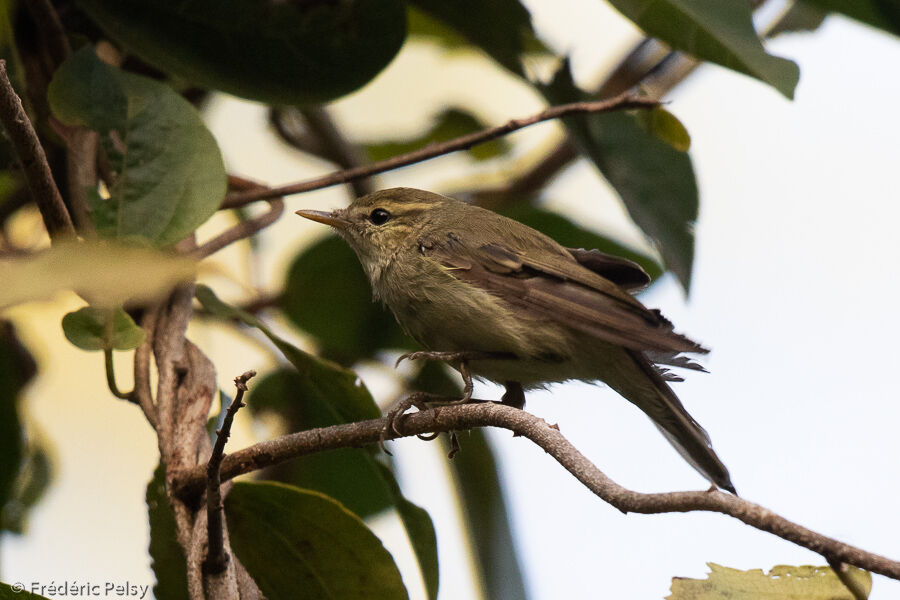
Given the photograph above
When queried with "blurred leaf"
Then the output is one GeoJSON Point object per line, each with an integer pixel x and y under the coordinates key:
{"type": "Point", "coordinates": [17, 368]}
{"type": "Point", "coordinates": [656, 182]}
{"type": "Point", "coordinates": [166, 555]}
{"type": "Point", "coordinates": [661, 123]}
{"type": "Point", "coordinates": [86, 327]}
{"type": "Point", "coordinates": [106, 274]}
{"type": "Point", "coordinates": [352, 476]}
{"type": "Point", "coordinates": [32, 482]}
{"type": "Point", "coordinates": [487, 517]}
{"type": "Point", "coordinates": [800, 16]}
{"type": "Point", "coordinates": [450, 123]}
{"type": "Point", "coordinates": [712, 30]}
{"type": "Point", "coordinates": [502, 28]}
{"type": "Point", "coordinates": [420, 530]}
{"type": "Point", "coordinates": [170, 177]}
{"type": "Point", "coordinates": [298, 544]}
{"type": "Point", "coordinates": [323, 381]}
{"type": "Point", "coordinates": [328, 296]}
{"type": "Point", "coordinates": [782, 582]}
{"type": "Point", "coordinates": [571, 235]}
{"type": "Point", "coordinates": [422, 25]}
{"type": "Point", "coordinates": [883, 14]}
{"type": "Point", "coordinates": [274, 52]}
{"type": "Point", "coordinates": [7, 592]}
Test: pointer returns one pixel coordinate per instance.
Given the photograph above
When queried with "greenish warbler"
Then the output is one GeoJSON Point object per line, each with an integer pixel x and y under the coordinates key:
{"type": "Point", "coordinates": [516, 308]}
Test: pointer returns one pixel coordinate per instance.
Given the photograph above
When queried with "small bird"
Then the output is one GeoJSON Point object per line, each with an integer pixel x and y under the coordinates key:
{"type": "Point", "coordinates": [503, 302]}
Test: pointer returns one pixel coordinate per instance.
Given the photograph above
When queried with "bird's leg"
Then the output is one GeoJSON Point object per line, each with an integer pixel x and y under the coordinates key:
{"type": "Point", "coordinates": [424, 401]}
{"type": "Point", "coordinates": [514, 395]}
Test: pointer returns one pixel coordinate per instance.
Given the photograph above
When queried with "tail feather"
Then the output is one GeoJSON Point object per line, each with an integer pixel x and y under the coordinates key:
{"type": "Point", "coordinates": [648, 390]}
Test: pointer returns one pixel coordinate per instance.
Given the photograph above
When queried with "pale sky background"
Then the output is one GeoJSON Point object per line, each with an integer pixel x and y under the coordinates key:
{"type": "Point", "coordinates": [795, 289]}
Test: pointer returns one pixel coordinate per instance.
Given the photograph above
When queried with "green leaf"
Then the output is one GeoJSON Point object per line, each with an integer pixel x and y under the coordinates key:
{"type": "Point", "coordinates": [502, 28]}
{"type": "Point", "coordinates": [661, 123]}
{"type": "Point", "coordinates": [274, 52]}
{"type": "Point", "coordinates": [782, 582]}
{"type": "Point", "coordinates": [655, 181]}
{"type": "Point", "coordinates": [8, 592]}
{"type": "Point", "coordinates": [106, 274]}
{"type": "Point", "coordinates": [166, 555]}
{"type": "Point", "coordinates": [86, 328]}
{"type": "Point", "coordinates": [571, 235]}
{"type": "Point", "coordinates": [883, 14]}
{"type": "Point", "coordinates": [170, 177]}
{"type": "Point", "coordinates": [352, 476]}
{"type": "Point", "coordinates": [800, 16]}
{"type": "Point", "coordinates": [449, 124]}
{"type": "Point", "coordinates": [328, 296]}
{"type": "Point", "coordinates": [298, 544]}
{"type": "Point", "coordinates": [323, 380]}
{"type": "Point", "coordinates": [475, 470]}
{"type": "Point", "coordinates": [713, 30]}
{"type": "Point", "coordinates": [17, 368]}
{"type": "Point", "coordinates": [422, 537]}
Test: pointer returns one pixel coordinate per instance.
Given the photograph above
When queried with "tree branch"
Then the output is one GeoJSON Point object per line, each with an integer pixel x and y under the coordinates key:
{"type": "Point", "coordinates": [38, 176]}
{"type": "Point", "coordinates": [620, 102]}
{"type": "Point", "coordinates": [216, 557]}
{"type": "Point", "coordinates": [191, 482]}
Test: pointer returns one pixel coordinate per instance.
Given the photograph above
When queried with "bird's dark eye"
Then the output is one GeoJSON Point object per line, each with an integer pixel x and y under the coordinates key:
{"type": "Point", "coordinates": [379, 216]}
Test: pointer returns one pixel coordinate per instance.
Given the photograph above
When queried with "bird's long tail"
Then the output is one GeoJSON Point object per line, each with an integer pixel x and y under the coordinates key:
{"type": "Point", "coordinates": [643, 385]}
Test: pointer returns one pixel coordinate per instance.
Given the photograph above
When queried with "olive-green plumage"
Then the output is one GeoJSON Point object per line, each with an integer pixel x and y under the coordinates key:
{"type": "Point", "coordinates": [460, 278]}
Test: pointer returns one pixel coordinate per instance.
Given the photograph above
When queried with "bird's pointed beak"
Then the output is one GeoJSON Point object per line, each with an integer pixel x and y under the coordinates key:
{"type": "Point", "coordinates": [335, 219]}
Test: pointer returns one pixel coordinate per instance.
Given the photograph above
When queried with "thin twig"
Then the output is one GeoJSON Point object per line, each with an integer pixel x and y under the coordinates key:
{"type": "Point", "coordinates": [620, 102]}
{"type": "Point", "coordinates": [38, 176]}
{"type": "Point", "coordinates": [191, 482]}
{"type": "Point", "coordinates": [246, 228]}
{"type": "Point", "coordinates": [852, 584]}
{"type": "Point", "coordinates": [142, 391]}
{"type": "Point", "coordinates": [242, 230]}
{"type": "Point", "coordinates": [111, 377]}
{"type": "Point", "coordinates": [337, 148]}
{"type": "Point", "coordinates": [216, 557]}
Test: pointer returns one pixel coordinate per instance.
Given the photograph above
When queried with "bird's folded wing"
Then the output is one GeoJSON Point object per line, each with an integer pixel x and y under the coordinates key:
{"type": "Point", "coordinates": [555, 287]}
{"type": "Point", "coordinates": [626, 274]}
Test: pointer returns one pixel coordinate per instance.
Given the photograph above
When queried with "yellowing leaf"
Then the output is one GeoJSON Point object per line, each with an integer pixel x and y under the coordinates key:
{"type": "Point", "coordinates": [781, 583]}
{"type": "Point", "coordinates": [105, 274]}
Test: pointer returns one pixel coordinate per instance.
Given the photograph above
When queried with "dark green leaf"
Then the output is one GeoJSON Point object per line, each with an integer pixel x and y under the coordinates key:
{"type": "Point", "coordinates": [298, 544]}
{"type": "Point", "coordinates": [781, 583]}
{"type": "Point", "coordinates": [274, 52]}
{"type": "Point", "coordinates": [32, 482]}
{"type": "Point", "coordinates": [502, 28]}
{"type": "Point", "coordinates": [713, 30]}
{"type": "Point", "coordinates": [165, 552]}
{"type": "Point", "coordinates": [324, 381]}
{"type": "Point", "coordinates": [352, 476]}
{"type": "Point", "coordinates": [17, 368]}
{"type": "Point", "coordinates": [801, 16]}
{"type": "Point", "coordinates": [656, 182]}
{"type": "Point", "coordinates": [422, 537]}
{"type": "Point", "coordinates": [883, 14]}
{"type": "Point", "coordinates": [328, 296]}
{"type": "Point", "coordinates": [8, 592]}
{"type": "Point", "coordinates": [487, 518]}
{"type": "Point", "coordinates": [449, 124]}
{"type": "Point", "coordinates": [422, 25]}
{"type": "Point", "coordinates": [571, 235]}
{"type": "Point", "coordinates": [87, 329]}
{"type": "Point", "coordinates": [170, 177]}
